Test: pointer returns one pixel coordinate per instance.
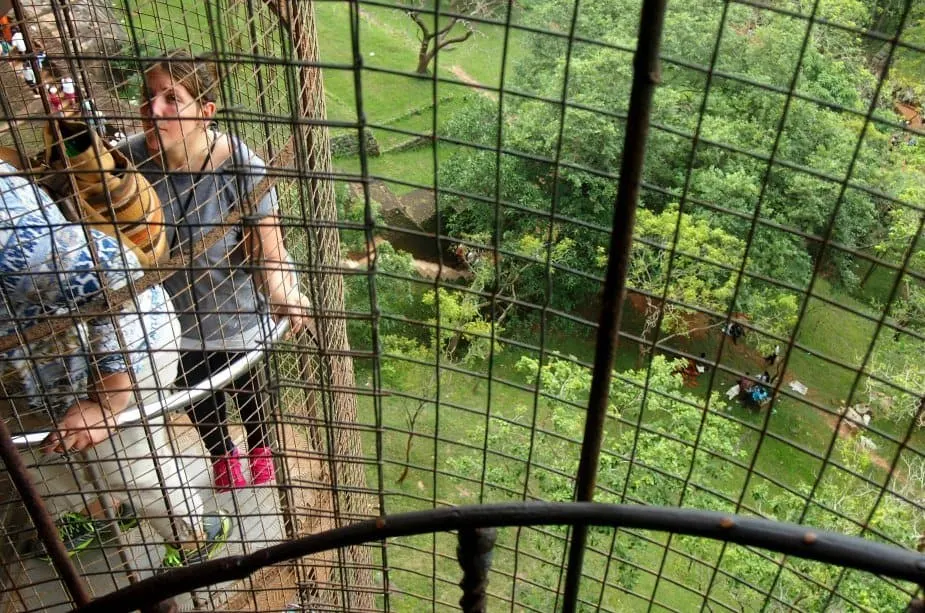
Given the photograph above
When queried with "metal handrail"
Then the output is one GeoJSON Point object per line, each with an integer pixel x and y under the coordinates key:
{"type": "Point", "coordinates": [183, 398]}
{"type": "Point", "coordinates": [786, 538]}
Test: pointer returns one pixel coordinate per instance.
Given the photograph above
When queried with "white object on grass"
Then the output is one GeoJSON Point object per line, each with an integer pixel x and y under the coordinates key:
{"type": "Point", "coordinates": [798, 387]}
{"type": "Point", "coordinates": [732, 392]}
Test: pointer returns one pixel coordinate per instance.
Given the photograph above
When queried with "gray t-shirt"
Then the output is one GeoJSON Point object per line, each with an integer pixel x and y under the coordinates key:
{"type": "Point", "coordinates": [219, 306]}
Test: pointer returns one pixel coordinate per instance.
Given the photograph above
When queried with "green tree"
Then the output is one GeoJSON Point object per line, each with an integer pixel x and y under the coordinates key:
{"type": "Point", "coordinates": [433, 38]}
{"type": "Point", "coordinates": [841, 502]}
{"type": "Point", "coordinates": [758, 45]}
{"type": "Point", "coordinates": [697, 276]}
{"type": "Point", "coordinates": [652, 470]}
{"type": "Point", "coordinates": [662, 466]}
{"type": "Point", "coordinates": [397, 291]}
{"type": "Point", "coordinates": [896, 357]}
{"type": "Point", "coordinates": [413, 339]}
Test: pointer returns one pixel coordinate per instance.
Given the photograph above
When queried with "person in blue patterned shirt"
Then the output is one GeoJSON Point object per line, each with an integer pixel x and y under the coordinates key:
{"type": "Point", "coordinates": [77, 382]}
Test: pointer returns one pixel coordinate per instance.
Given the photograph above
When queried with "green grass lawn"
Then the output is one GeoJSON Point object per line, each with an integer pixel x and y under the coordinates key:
{"type": "Point", "coordinates": [414, 167]}
{"type": "Point", "coordinates": [388, 41]}
{"type": "Point", "coordinates": [169, 24]}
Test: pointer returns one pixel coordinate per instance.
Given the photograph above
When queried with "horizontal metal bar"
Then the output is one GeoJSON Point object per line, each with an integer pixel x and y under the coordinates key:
{"type": "Point", "coordinates": [790, 539]}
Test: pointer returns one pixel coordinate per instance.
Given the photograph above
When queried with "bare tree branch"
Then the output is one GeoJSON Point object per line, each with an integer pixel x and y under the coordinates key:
{"type": "Point", "coordinates": [452, 41]}
{"type": "Point", "coordinates": [431, 42]}
{"type": "Point", "coordinates": [687, 332]}
{"type": "Point", "coordinates": [443, 31]}
{"type": "Point", "coordinates": [417, 19]}
{"type": "Point", "coordinates": [411, 420]}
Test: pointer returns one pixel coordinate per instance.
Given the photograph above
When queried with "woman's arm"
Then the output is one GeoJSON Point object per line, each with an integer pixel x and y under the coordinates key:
{"type": "Point", "coordinates": [274, 275]}
{"type": "Point", "coordinates": [91, 421]}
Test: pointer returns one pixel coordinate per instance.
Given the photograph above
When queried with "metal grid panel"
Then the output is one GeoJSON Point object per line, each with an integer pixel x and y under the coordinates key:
{"type": "Point", "coordinates": [473, 381]}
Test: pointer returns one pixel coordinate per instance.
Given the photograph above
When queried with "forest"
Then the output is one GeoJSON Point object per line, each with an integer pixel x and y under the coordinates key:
{"type": "Point", "coordinates": [783, 186]}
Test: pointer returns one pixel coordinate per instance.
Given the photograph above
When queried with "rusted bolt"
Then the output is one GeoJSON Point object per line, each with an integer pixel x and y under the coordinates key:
{"type": "Point", "coordinates": [380, 523]}
{"type": "Point", "coordinates": [726, 523]}
{"type": "Point", "coordinates": [809, 538]}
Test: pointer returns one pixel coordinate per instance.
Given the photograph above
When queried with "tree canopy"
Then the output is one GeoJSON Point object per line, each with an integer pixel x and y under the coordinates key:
{"type": "Point", "coordinates": [729, 180]}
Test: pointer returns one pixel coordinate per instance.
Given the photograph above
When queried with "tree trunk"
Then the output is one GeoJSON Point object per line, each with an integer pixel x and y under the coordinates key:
{"type": "Point", "coordinates": [343, 446]}
{"type": "Point", "coordinates": [439, 39]}
{"type": "Point", "coordinates": [423, 58]}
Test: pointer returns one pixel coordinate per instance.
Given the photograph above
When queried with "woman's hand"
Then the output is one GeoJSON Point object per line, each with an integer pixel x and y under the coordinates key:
{"type": "Point", "coordinates": [297, 308]}
{"type": "Point", "coordinates": [91, 421]}
{"type": "Point", "coordinates": [84, 425]}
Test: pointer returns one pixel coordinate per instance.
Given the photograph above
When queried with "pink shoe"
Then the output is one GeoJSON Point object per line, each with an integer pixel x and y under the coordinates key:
{"type": "Point", "coordinates": [262, 468]}
{"type": "Point", "coordinates": [228, 473]}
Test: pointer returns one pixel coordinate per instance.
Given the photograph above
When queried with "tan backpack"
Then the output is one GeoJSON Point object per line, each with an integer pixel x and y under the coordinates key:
{"type": "Point", "coordinates": [94, 184]}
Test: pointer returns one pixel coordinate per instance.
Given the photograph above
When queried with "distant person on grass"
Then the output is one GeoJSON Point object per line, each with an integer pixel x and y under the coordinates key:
{"type": "Point", "coordinates": [736, 331]}
{"type": "Point", "coordinates": [702, 363]}
{"type": "Point", "coordinates": [77, 381]}
{"type": "Point", "coordinates": [771, 358]}
{"type": "Point", "coordinates": [227, 293]}
{"type": "Point", "coordinates": [745, 384]}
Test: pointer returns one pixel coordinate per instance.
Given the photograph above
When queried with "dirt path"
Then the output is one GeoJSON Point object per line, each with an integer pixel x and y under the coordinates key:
{"type": "Point", "coordinates": [428, 270]}
{"type": "Point", "coordinates": [466, 78]}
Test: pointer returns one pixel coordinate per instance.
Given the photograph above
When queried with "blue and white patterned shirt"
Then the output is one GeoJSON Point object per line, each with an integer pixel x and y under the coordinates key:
{"type": "Point", "coordinates": [46, 268]}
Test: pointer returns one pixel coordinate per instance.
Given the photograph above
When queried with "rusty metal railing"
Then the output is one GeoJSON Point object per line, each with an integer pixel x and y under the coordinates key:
{"type": "Point", "coordinates": [475, 523]}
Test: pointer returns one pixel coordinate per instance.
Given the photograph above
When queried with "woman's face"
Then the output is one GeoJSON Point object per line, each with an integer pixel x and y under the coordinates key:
{"type": "Point", "coordinates": [170, 113]}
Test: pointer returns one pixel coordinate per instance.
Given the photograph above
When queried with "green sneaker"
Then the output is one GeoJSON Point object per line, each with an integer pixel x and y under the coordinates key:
{"type": "Point", "coordinates": [76, 531]}
{"type": "Point", "coordinates": [125, 517]}
{"type": "Point", "coordinates": [217, 529]}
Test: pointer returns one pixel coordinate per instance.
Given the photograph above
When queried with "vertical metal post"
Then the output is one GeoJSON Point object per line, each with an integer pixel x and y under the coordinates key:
{"type": "Point", "coordinates": [44, 525]}
{"type": "Point", "coordinates": [474, 553]}
{"type": "Point", "coordinates": [645, 78]}
{"type": "Point", "coordinates": [105, 500]}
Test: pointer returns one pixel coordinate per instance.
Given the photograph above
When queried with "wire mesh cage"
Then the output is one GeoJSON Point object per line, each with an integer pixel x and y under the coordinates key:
{"type": "Point", "coordinates": [658, 255]}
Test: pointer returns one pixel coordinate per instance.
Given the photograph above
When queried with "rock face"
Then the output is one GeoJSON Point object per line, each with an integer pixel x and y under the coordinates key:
{"type": "Point", "coordinates": [414, 212]}
{"type": "Point", "coordinates": [85, 27]}
{"type": "Point", "coordinates": [97, 26]}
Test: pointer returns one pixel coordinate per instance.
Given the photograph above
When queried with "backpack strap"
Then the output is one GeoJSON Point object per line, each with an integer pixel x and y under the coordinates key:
{"type": "Point", "coordinates": [109, 194]}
